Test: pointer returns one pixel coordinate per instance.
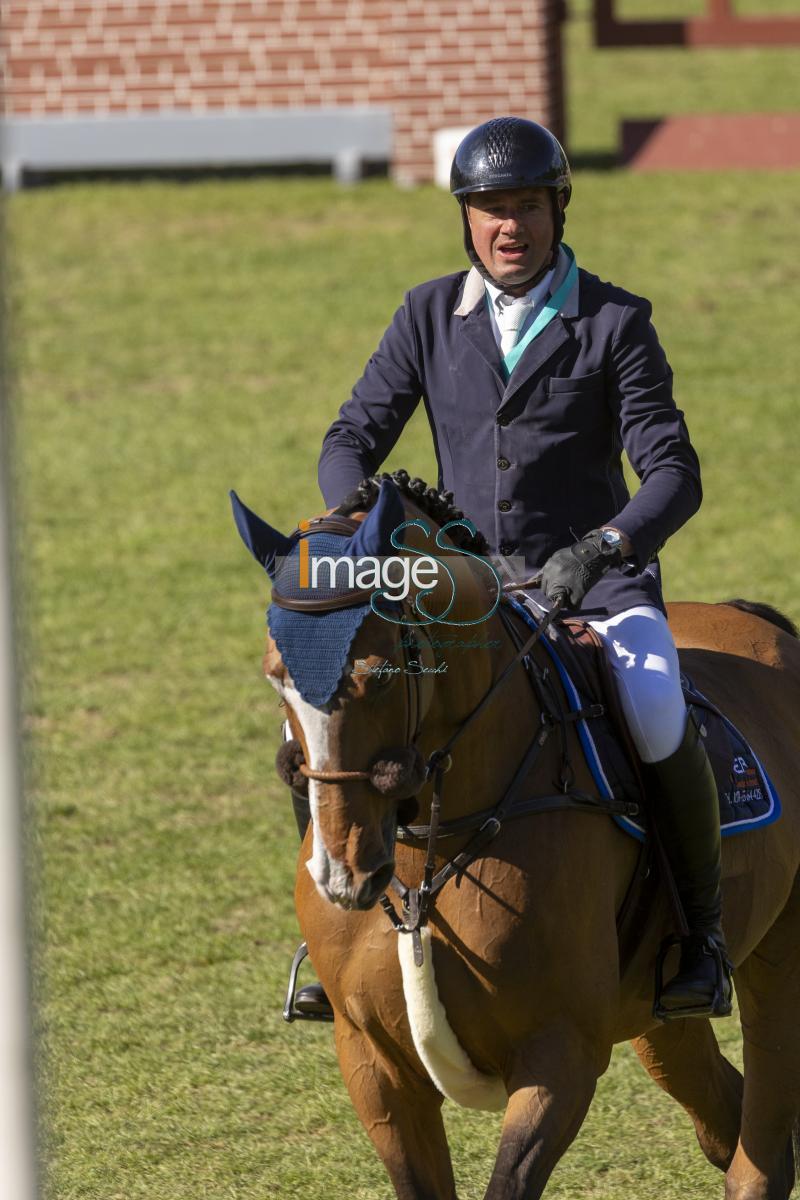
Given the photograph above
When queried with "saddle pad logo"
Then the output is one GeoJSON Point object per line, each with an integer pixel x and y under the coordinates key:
{"type": "Point", "coordinates": [745, 783]}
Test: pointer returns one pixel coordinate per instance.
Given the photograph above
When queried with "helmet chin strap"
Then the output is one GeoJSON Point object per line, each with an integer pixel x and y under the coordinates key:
{"type": "Point", "coordinates": [558, 222]}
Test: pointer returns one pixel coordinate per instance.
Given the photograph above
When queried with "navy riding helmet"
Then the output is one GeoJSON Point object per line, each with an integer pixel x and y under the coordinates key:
{"type": "Point", "coordinates": [510, 152]}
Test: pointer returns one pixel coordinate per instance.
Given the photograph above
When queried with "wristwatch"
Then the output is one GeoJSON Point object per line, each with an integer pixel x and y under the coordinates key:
{"type": "Point", "coordinates": [612, 538]}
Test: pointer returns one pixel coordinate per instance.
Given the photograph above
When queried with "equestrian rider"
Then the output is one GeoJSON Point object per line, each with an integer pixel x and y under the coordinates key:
{"type": "Point", "coordinates": [535, 376]}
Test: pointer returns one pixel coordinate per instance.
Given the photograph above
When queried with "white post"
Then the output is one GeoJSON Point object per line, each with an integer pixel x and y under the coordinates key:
{"type": "Point", "coordinates": [17, 1137]}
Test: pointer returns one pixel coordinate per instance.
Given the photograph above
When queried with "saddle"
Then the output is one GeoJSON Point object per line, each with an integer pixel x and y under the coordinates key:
{"type": "Point", "coordinates": [747, 797]}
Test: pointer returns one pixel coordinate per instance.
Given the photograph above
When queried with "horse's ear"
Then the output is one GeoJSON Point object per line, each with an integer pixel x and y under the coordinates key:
{"type": "Point", "coordinates": [264, 543]}
{"type": "Point", "coordinates": [372, 538]}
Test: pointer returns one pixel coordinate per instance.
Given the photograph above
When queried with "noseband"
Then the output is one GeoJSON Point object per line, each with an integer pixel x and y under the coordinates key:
{"type": "Point", "coordinates": [397, 775]}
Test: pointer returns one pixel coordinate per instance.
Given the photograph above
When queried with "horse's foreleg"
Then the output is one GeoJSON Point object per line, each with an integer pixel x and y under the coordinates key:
{"type": "Point", "coordinates": [684, 1059]}
{"type": "Point", "coordinates": [551, 1085]}
{"type": "Point", "coordinates": [401, 1112]}
{"type": "Point", "coordinates": [768, 987]}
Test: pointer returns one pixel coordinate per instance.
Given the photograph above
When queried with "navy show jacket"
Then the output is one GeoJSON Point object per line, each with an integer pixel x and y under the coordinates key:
{"type": "Point", "coordinates": [533, 460]}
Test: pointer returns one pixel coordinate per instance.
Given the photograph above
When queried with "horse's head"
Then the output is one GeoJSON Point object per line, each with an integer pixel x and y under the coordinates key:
{"type": "Point", "coordinates": [364, 682]}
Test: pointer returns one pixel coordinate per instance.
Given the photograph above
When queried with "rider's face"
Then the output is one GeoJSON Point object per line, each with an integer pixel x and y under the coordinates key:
{"type": "Point", "coordinates": [512, 232]}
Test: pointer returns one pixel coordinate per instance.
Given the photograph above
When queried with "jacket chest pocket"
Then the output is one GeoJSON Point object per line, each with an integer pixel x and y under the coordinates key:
{"type": "Point", "coordinates": [576, 403]}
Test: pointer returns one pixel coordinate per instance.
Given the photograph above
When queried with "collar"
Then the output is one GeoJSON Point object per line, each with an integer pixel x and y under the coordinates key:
{"type": "Point", "coordinates": [475, 288]}
{"type": "Point", "coordinates": [534, 297]}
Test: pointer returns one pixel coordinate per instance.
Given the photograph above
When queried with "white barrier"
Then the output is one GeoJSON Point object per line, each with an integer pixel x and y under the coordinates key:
{"type": "Point", "coordinates": [345, 137]}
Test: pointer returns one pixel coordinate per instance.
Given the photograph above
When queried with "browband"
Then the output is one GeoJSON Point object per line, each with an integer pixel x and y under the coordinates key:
{"type": "Point", "coordinates": [345, 527]}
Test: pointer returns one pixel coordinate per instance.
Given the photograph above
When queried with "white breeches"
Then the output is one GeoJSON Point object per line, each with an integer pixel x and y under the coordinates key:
{"type": "Point", "coordinates": [645, 664]}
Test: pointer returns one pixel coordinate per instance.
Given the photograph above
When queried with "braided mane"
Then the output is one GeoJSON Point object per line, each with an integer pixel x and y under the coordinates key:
{"type": "Point", "coordinates": [437, 505]}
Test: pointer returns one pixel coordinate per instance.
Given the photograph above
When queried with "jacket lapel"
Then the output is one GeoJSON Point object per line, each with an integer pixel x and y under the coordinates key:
{"type": "Point", "coordinates": [536, 355]}
{"type": "Point", "coordinates": [476, 328]}
{"type": "Point", "coordinates": [552, 336]}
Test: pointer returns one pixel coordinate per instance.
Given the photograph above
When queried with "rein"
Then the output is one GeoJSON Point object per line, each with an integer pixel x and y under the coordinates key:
{"type": "Point", "coordinates": [418, 902]}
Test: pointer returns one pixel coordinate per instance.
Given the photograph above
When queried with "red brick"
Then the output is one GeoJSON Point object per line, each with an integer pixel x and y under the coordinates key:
{"type": "Point", "coordinates": [90, 64]}
{"type": "Point", "coordinates": [432, 62]}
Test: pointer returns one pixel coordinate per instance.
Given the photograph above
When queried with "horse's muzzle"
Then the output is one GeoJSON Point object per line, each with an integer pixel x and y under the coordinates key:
{"type": "Point", "coordinates": [373, 886]}
{"type": "Point", "coordinates": [357, 882]}
{"type": "Point", "coordinates": [355, 894]}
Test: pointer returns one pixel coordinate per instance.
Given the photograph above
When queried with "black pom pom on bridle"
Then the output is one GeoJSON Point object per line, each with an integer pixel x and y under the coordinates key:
{"type": "Point", "coordinates": [287, 764]}
{"type": "Point", "coordinates": [398, 774]}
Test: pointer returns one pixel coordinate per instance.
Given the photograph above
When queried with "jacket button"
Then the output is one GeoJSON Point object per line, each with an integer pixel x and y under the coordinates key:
{"type": "Point", "coordinates": [503, 464]}
{"type": "Point", "coordinates": [504, 505]}
{"type": "Point", "coordinates": [506, 548]}
{"type": "Point", "coordinates": [503, 419]}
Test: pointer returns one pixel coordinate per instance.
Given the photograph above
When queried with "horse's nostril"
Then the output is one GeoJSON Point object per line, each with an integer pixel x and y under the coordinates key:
{"type": "Point", "coordinates": [374, 885]}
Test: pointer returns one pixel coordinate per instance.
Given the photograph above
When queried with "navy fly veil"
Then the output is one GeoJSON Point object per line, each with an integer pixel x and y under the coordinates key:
{"type": "Point", "coordinates": [315, 645]}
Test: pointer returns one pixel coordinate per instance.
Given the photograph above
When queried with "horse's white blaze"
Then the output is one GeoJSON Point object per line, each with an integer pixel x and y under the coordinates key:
{"type": "Point", "coordinates": [442, 1055]}
{"type": "Point", "coordinates": [330, 875]}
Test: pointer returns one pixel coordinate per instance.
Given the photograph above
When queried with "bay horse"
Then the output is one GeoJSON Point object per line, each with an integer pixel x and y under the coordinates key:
{"type": "Point", "coordinates": [513, 991]}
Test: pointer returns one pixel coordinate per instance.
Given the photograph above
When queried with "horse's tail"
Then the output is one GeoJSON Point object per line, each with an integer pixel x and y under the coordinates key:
{"type": "Point", "coordinates": [767, 613]}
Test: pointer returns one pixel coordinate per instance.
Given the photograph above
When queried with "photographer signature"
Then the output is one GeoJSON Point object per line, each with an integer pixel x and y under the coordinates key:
{"type": "Point", "coordinates": [385, 668]}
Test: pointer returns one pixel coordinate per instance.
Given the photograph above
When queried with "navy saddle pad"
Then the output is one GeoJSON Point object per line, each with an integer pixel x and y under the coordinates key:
{"type": "Point", "coordinates": [747, 797]}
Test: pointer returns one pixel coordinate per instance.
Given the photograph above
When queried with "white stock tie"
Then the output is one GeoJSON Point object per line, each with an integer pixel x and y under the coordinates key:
{"type": "Point", "coordinates": [511, 316]}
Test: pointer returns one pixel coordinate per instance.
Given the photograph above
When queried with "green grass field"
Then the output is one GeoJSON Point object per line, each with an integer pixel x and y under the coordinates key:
{"type": "Point", "coordinates": [172, 341]}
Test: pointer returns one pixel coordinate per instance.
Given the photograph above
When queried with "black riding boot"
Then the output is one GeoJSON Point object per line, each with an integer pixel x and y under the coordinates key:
{"type": "Point", "coordinates": [686, 811]}
{"type": "Point", "coordinates": [311, 999]}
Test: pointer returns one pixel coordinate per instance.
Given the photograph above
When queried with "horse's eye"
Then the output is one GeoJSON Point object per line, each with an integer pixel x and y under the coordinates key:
{"type": "Point", "coordinates": [377, 676]}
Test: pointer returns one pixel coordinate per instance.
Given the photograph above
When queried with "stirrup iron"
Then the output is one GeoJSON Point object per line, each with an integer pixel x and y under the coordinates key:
{"type": "Point", "coordinates": [290, 1010]}
{"type": "Point", "coordinates": [720, 1004]}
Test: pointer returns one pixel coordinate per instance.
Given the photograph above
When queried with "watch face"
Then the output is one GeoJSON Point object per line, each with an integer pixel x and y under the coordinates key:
{"type": "Point", "coordinates": [611, 537]}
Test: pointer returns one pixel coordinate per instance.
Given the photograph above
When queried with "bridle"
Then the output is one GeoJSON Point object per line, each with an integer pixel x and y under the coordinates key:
{"type": "Point", "coordinates": [417, 902]}
{"type": "Point", "coordinates": [398, 773]}
{"type": "Point", "coordinates": [419, 686]}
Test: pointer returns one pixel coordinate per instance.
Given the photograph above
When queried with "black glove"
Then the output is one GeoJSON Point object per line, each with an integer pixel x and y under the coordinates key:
{"type": "Point", "coordinates": [570, 573]}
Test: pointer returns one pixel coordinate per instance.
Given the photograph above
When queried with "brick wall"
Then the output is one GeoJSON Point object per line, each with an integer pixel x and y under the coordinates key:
{"type": "Point", "coordinates": [433, 62]}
